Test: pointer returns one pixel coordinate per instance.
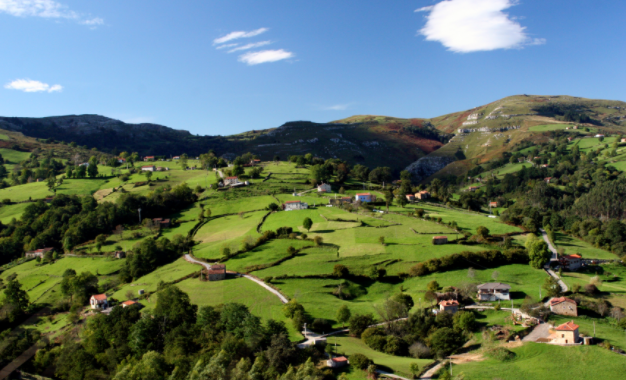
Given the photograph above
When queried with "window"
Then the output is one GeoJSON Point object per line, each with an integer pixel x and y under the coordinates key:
{"type": "Point", "coordinates": [562, 335]}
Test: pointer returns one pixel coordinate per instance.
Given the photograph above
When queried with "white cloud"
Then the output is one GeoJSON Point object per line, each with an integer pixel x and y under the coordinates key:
{"type": "Point", "coordinates": [239, 34]}
{"type": "Point", "coordinates": [226, 46]}
{"type": "Point", "coordinates": [45, 9]}
{"type": "Point", "coordinates": [338, 107]}
{"type": "Point", "coordinates": [250, 46]}
{"type": "Point", "coordinates": [29, 85]}
{"type": "Point", "coordinates": [263, 56]}
{"type": "Point", "coordinates": [465, 26]}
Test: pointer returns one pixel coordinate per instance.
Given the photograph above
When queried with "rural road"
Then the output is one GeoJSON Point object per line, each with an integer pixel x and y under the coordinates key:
{"type": "Point", "coordinates": [540, 331]}
{"type": "Point", "coordinates": [555, 256]}
{"type": "Point", "coordinates": [431, 372]}
{"type": "Point", "coordinates": [282, 298]}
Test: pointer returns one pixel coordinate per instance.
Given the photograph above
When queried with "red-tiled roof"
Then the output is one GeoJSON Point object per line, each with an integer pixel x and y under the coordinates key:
{"type": "Point", "coordinates": [449, 303]}
{"type": "Point", "coordinates": [100, 297]}
{"type": "Point", "coordinates": [439, 237]}
{"type": "Point", "coordinates": [147, 166]}
{"type": "Point", "coordinates": [211, 271]}
{"type": "Point", "coordinates": [556, 301]}
{"type": "Point", "coordinates": [293, 202]}
{"type": "Point", "coordinates": [231, 178]}
{"type": "Point", "coordinates": [569, 257]}
{"type": "Point", "coordinates": [41, 250]}
{"type": "Point", "coordinates": [129, 302]}
{"type": "Point", "coordinates": [340, 359]}
{"type": "Point", "coordinates": [364, 194]}
{"type": "Point", "coordinates": [568, 326]}
{"type": "Point", "coordinates": [423, 192]}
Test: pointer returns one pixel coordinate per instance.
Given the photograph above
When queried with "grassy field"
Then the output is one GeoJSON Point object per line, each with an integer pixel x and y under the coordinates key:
{"type": "Point", "coordinates": [40, 281]}
{"type": "Point", "coordinates": [543, 361]}
{"type": "Point", "coordinates": [14, 156]}
{"type": "Point", "coordinates": [573, 245]}
{"type": "Point", "coordinates": [8, 212]}
{"type": "Point", "coordinates": [347, 345]}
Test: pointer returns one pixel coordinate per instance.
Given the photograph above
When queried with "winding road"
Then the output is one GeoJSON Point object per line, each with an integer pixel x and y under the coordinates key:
{"type": "Point", "coordinates": [555, 256]}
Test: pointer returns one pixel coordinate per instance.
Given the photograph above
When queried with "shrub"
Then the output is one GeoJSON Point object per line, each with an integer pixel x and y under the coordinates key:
{"type": "Point", "coordinates": [591, 289]}
{"type": "Point", "coordinates": [420, 351]}
{"type": "Point", "coordinates": [359, 322]}
{"type": "Point", "coordinates": [340, 270]}
{"type": "Point", "coordinates": [318, 240]}
{"type": "Point", "coordinates": [360, 361]}
{"type": "Point", "coordinates": [501, 354]}
{"type": "Point", "coordinates": [268, 279]}
{"type": "Point", "coordinates": [321, 325]}
{"type": "Point", "coordinates": [488, 259]}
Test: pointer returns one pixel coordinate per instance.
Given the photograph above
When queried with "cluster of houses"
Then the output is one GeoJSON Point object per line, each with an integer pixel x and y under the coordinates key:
{"type": "Point", "coordinates": [101, 302]}
{"type": "Point", "coordinates": [422, 195]}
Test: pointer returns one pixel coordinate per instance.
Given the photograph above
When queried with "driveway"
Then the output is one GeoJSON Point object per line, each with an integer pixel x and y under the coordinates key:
{"type": "Point", "coordinates": [540, 331]}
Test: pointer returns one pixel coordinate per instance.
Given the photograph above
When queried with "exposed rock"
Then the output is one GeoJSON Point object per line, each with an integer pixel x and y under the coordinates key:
{"type": "Point", "coordinates": [427, 166]}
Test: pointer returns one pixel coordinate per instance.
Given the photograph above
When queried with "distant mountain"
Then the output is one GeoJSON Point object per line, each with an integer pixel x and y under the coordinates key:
{"type": "Point", "coordinates": [108, 134]}
{"type": "Point", "coordinates": [447, 144]}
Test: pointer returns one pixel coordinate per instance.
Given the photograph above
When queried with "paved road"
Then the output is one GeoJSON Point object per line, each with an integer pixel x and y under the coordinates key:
{"type": "Point", "coordinates": [555, 256]}
{"type": "Point", "coordinates": [540, 331]}
{"type": "Point", "coordinates": [431, 372]}
{"type": "Point", "coordinates": [193, 260]}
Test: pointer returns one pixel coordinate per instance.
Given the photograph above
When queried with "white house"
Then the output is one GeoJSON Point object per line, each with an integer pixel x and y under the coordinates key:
{"type": "Point", "coordinates": [599, 135]}
{"type": "Point", "coordinates": [493, 291]}
{"type": "Point", "coordinates": [571, 262]}
{"type": "Point", "coordinates": [228, 181]}
{"type": "Point", "coordinates": [324, 188]}
{"type": "Point", "coordinates": [148, 168]}
{"type": "Point", "coordinates": [99, 301]}
{"type": "Point", "coordinates": [295, 205]}
{"type": "Point", "coordinates": [365, 197]}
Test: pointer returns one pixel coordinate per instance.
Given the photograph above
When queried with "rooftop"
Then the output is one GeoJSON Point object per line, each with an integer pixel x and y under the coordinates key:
{"type": "Point", "coordinates": [439, 237]}
{"type": "Point", "coordinates": [449, 303]}
{"type": "Point", "coordinates": [568, 326]}
{"type": "Point", "coordinates": [129, 302]}
{"type": "Point", "coordinates": [340, 359]}
{"type": "Point", "coordinates": [494, 285]}
{"type": "Point", "coordinates": [556, 301]}
{"type": "Point", "coordinates": [100, 297]}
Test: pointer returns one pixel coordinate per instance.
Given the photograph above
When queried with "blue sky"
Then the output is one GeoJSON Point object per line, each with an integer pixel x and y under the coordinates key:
{"type": "Point", "coordinates": [169, 62]}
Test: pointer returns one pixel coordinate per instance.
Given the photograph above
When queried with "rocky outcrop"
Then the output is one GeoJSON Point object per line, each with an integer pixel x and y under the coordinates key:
{"type": "Point", "coordinates": [427, 166]}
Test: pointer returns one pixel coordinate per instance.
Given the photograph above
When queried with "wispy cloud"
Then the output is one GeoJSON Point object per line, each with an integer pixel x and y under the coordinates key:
{"type": "Point", "coordinates": [465, 26]}
{"type": "Point", "coordinates": [226, 46]}
{"type": "Point", "coordinates": [46, 9]}
{"type": "Point", "coordinates": [263, 56]}
{"type": "Point", "coordinates": [250, 46]}
{"type": "Point", "coordinates": [338, 107]}
{"type": "Point", "coordinates": [29, 85]}
{"type": "Point", "coordinates": [239, 34]}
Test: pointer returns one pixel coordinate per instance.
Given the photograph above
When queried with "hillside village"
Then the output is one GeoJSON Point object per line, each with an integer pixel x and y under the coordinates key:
{"type": "Point", "coordinates": [257, 264]}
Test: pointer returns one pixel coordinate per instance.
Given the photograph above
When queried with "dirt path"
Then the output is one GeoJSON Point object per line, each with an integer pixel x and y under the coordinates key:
{"type": "Point", "coordinates": [431, 372]}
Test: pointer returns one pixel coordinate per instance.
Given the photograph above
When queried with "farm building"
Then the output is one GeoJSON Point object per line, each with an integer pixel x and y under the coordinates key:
{"type": "Point", "coordinates": [623, 140]}
{"type": "Point", "coordinates": [148, 158]}
{"type": "Point", "coordinates": [567, 333]}
{"type": "Point", "coordinates": [564, 306]}
{"type": "Point", "coordinates": [324, 188]}
{"type": "Point", "coordinates": [148, 168]}
{"type": "Point", "coordinates": [255, 161]}
{"type": "Point", "coordinates": [38, 252]}
{"type": "Point", "coordinates": [571, 262]}
{"type": "Point", "coordinates": [294, 205]}
{"type": "Point", "coordinates": [99, 301]}
{"type": "Point", "coordinates": [437, 240]}
{"type": "Point", "coordinates": [493, 204]}
{"type": "Point", "coordinates": [229, 181]}
{"type": "Point", "coordinates": [410, 197]}
{"type": "Point", "coordinates": [544, 165]}
{"type": "Point", "coordinates": [472, 188]}
{"type": "Point", "coordinates": [120, 254]}
{"type": "Point", "coordinates": [493, 291]}
{"type": "Point", "coordinates": [121, 160]}
{"type": "Point", "coordinates": [338, 362]}
{"type": "Point", "coordinates": [162, 169]}
{"type": "Point", "coordinates": [217, 272]}
{"type": "Point", "coordinates": [451, 306]}
{"type": "Point", "coordinates": [176, 157]}
{"type": "Point", "coordinates": [548, 179]}
{"type": "Point", "coordinates": [365, 197]}
{"type": "Point", "coordinates": [422, 195]}
{"type": "Point", "coordinates": [599, 135]}
{"type": "Point", "coordinates": [164, 223]}
{"type": "Point", "coordinates": [129, 303]}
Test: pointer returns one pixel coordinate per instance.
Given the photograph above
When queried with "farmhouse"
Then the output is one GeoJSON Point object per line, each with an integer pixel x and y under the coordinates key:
{"type": "Point", "coordinates": [365, 197]}
{"type": "Point", "coordinates": [563, 306]}
{"type": "Point", "coordinates": [339, 361]}
{"type": "Point", "coordinates": [164, 223]}
{"type": "Point", "coordinates": [493, 291]}
{"type": "Point", "coordinates": [324, 188]}
{"type": "Point", "coordinates": [493, 204]}
{"type": "Point", "coordinates": [148, 168]}
{"type": "Point", "coordinates": [295, 205]}
{"type": "Point", "coordinates": [571, 262]}
{"type": "Point", "coordinates": [99, 301]}
{"type": "Point", "coordinates": [255, 161]}
{"type": "Point", "coordinates": [544, 165]}
{"type": "Point", "coordinates": [472, 188]}
{"type": "Point", "coordinates": [229, 181]}
{"type": "Point", "coordinates": [176, 157]}
{"type": "Point", "coordinates": [120, 254]}
{"type": "Point", "coordinates": [148, 158]}
{"type": "Point", "coordinates": [623, 140]}
{"type": "Point", "coordinates": [451, 306]}
{"type": "Point", "coordinates": [410, 197]}
{"type": "Point", "coordinates": [121, 160]}
{"type": "Point", "coordinates": [567, 333]}
{"type": "Point", "coordinates": [129, 303]}
{"type": "Point", "coordinates": [437, 240]}
{"type": "Point", "coordinates": [422, 195]}
{"type": "Point", "coordinates": [217, 272]}
{"type": "Point", "coordinates": [38, 252]}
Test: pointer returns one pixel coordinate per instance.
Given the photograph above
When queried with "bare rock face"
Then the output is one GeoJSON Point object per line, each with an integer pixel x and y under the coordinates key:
{"type": "Point", "coordinates": [427, 166]}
